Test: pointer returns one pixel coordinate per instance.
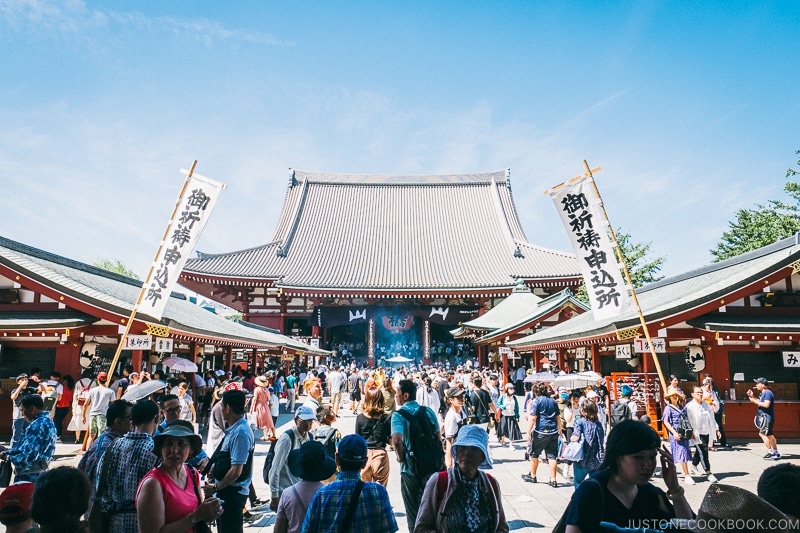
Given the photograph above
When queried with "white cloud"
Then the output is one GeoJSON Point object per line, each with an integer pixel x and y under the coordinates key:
{"type": "Point", "coordinates": [74, 20]}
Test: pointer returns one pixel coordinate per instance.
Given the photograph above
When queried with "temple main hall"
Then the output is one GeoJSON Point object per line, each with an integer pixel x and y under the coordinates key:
{"type": "Point", "coordinates": [385, 265]}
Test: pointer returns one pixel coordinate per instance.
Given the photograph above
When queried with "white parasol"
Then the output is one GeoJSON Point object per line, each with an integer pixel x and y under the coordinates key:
{"type": "Point", "coordinates": [577, 381]}
{"type": "Point", "coordinates": [541, 377]}
{"type": "Point", "coordinates": [143, 390]}
{"type": "Point", "coordinates": [179, 364]}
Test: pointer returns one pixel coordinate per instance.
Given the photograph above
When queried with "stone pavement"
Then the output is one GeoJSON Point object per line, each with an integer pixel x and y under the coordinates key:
{"type": "Point", "coordinates": [529, 507]}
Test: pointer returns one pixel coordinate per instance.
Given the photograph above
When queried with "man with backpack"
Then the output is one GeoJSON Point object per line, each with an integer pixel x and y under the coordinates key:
{"type": "Point", "coordinates": [276, 467]}
{"type": "Point", "coordinates": [417, 441]}
{"type": "Point", "coordinates": [624, 408]}
{"type": "Point", "coordinates": [349, 504]}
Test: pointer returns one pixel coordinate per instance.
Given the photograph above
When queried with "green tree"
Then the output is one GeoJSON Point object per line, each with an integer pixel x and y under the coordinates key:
{"type": "Point", "coordinates": [763, 224]}
{"type": "Point", "coordinates": [642, 269]}
{"type": "Point", "coordinates": [116, 266]}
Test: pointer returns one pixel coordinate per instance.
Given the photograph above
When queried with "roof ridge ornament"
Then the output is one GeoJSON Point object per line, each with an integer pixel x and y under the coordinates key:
{"type": "Point", "coordinates": [518, 253]}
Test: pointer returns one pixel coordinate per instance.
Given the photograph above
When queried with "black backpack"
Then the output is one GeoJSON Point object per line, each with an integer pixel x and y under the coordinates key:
{"type": "Point", "coordinates": [271, 455]}
{"type": "Point", "coordinates": [684, 427]}
{"type": "Point", "coordinates": [328, 440]}
{"type": "Point", "coordinates": [426, 455]}
{"type": "Point", "coordinates": [619, 412]}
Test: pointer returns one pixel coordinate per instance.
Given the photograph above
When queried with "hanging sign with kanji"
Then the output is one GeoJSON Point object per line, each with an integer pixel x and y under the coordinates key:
{"type": "Point", "coordinates": [194, 207]}
{"type": "Point", "coordinates": [138, 342]}
{"type": "Point", "coordinates": [791, 359]}
{"type": "Point", "coordinates": [581, 212]}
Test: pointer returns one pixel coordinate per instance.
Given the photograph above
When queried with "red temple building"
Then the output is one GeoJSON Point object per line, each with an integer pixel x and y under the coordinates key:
{"type": "Point", "coordinates": [384, 264]}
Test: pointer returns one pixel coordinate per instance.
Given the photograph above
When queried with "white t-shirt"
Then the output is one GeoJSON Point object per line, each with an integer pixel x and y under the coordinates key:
{"type": "Point", "coordinates": [100, 398]}
{"type": "Point", "coordinates": [335, 381]}
{"type": "Point", "coordinates": [451, 420]}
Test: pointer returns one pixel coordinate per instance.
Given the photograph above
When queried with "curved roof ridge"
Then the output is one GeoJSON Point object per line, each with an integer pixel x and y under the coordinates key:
{"type": "Point", "coordinates": [776, 246]}
{"type": "Point", "coordinates": [539, 248]}
{"type": "Point", "coordinates": [201, 256]}
{"type": "Point", "coordinates": [398, 179]}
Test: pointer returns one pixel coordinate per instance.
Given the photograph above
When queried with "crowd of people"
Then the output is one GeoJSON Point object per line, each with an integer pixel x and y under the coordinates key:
{"type": "Point", "coordinates": [144, 466]}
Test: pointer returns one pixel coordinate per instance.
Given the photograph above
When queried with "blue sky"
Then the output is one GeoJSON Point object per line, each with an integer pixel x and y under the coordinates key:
{"type": "Point", "coordinates": [691, 108]}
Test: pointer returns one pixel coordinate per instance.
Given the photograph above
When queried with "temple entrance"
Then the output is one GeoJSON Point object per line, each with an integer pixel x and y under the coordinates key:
{"type": "Point", "coordinates": [349, 341]}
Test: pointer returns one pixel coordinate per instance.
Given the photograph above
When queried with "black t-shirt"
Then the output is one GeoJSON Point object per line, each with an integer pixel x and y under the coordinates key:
{"type": "Point", "coordinates": [376, 431]}
{"type": "Point", "coordinates": [593, 503]}
{"type": "Point", "coordinates": [480, 400]}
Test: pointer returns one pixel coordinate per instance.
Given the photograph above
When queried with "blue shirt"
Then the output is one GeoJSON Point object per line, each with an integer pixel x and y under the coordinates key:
{"type": "Point", "coordinates": [36, 446]}
{"type": "Point", "coordinates": [545, 410]}
{"type": "Point", "coordinates": [328, 508]}
{"type": "Point", "coordinates": [401, 425]}
{"type": "Point", "coordinates": [239, 440]}
{"type": "Point", "coordinates": [766, 395]}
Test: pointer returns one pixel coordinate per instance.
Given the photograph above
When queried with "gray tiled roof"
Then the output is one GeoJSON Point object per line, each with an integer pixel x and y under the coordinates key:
{"type": "Point", "coordinates": [543, 308]}
{"type": "Point", "coordinates": [66, 318]}
{"type": "Point", "coordinates": [344, 231]}
{"type": "Point", "coordinates": [117, 294]}
{"type": "Point", "coordinates": [676, 295]}
{"type": "Point", "coordinates": [518, 304]}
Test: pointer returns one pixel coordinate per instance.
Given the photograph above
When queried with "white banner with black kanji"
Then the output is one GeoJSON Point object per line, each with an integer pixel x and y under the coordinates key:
{"type": "Point", "coordinates": [582, 214]}
{"type": "Point", "coordinates": [193, 209]}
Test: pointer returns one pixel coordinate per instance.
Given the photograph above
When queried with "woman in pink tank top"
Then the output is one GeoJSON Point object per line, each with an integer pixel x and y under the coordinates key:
{"type": "Point", "coordinates": [170, 495]}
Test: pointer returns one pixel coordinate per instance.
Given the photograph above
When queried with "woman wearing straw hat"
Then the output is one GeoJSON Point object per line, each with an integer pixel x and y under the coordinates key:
{"type": "Point", "coordinates": [311, 464]}
{"type": "Point", "coordinates": [169, 495]}
{"type": "Point", "coordinates": [621, 492]}
{"type": "Point", "coordinates": [260, 406]}
{"type": "Point", "coordinates": [463, 498]}
{"type": "Point", "coordinates": [681, 452]}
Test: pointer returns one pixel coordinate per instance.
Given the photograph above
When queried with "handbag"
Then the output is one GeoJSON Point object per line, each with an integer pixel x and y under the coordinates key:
{"type": "Point", "coordinates": [5, 473]}
{"type": "Point", "coordinates": [201, 526]}
{"type": "Point", "coordinates": [572, 451]}
{"type": "Point", "coordinates": [761, 421]}
{"type": "Point", "coordinates": [99, 518]}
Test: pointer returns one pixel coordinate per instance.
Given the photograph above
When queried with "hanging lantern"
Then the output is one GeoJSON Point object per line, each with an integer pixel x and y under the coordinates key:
{"type": "Point", "coordinates": [89, 352]}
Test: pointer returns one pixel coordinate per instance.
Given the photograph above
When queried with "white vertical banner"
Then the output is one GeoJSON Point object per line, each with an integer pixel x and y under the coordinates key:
{"type": "Point", "coordinates": [194, 206]}
{"type": "Point", "coordinates": [582, 214]}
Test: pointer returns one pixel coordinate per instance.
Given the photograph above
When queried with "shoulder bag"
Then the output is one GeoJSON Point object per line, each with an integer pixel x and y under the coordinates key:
{"type": "Point", "coordinates": [99, 517]}
{"type": "Point", "coordinates": [201, 526]}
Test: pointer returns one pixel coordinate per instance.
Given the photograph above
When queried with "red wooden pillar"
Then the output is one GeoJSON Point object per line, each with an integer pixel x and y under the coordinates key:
{"type": "Point", "coordinates": [136, 360]}
{"type": "Point", "coordinates": [228, 359]}
{"type": "Point", "coordinates": [254, 360]}
{"type": "Point", "coordinates": [596, 358]}
{"type": "Point", "coordinates": [560, 358]}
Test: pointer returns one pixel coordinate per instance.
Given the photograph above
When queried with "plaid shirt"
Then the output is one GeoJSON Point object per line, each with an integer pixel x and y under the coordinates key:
{"type": "Point", "coordinates": [36, 446]}
{"type": "Point", "coordinates": [329, 507]}
{"type": "Point", "coordinates": [130, 459]}
{"type": "Point", "coordinates": [89, 461]}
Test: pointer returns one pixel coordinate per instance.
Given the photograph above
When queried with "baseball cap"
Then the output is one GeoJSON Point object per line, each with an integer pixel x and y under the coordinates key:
{"type": "Point", "coordinates": [15, 501]}
{"type": "Point", "coordinates": [761, 381]}
{"type": "Point", "coordinates": [102, 376]}
{"type": "Point", "coordinates": [592, 394]}
{"type": "Point", "coordinates": [304, 412]}
{"type": "Point", "coordinates": [454, 392]}
{"type": "Point", "coordinates": [352, 449]}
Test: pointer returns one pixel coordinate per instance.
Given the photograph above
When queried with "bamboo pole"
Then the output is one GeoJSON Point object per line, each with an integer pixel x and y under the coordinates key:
{"type": "Point", "coordinates": [621, 260]}
{"type": "Point", "coordinates": [143, 290]}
